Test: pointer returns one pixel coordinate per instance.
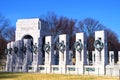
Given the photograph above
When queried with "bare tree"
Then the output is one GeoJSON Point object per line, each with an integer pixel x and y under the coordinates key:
{"type": "Point", "coordinates": [89, 26]}
{"type": "Point", "coordinates": [61, 25]}
{"type": "Point", "coordinates": [51, 19]}
{"type": "Point", "coordinates": [3, 24]}
{"type": "Point", "coordinates": [3, 44]}
{"type": "Point", "coordinates": [67, 26]}
{"type": "Point", "coordinates": [9, 34]}
{"type": "Point", "coordinates": [6, 34]}
{"type": "Point", "coordinates": [113, 43]}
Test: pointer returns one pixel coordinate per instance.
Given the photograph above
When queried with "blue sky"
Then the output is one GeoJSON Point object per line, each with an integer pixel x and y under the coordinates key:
{"type": "Point", "coordinates": [105, 11]}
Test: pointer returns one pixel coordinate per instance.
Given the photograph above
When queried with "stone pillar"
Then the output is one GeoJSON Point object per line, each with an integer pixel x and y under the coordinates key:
{"type": "Point", "coordinates": [19, 55]}
{"type": "Point", "coordinates": [16, 56]}
{"type": "Point", "coordinates": [56, 58]}
{"type": "Point", "coordinates": [8, 62]}
{"type": "Point", "coordinates": [24, 67]}
{"type": "Point", "coordinates": [111, 57]}
{"type": "Point", "coordinates": [13, 57]}
{"type": "Point", "coordinates": [93, 57]}
{"type": "Point", "coordinates": [118, 57]}
{"type": "Point", "coordinates": [49, 53]}
{"type": "Point", "coordinates": [20, 45]}
{"type": "Point", "coordinates": [101, 55]}
{"type": "Point", "coordinates": [41, 41]}
{"type": "Point", "coordinates": [71, 57]}
{"type": "Point", "coordinates": [87, 58]}
{"type": "Point", "coordinates": [81, 55]}
{"type": "Point", "coordinates": [28, 55]}
{"type": "Point", "coordinates": [38, 55]}
{"type": "Point", "coordinates": [63, 52]}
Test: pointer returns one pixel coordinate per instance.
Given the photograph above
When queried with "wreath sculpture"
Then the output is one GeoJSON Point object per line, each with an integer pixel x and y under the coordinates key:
{"type": "Point", "coordinates": [98, 44]}
{"type": "Point", "coordinates": [34, 48]}
{"type": "Point", "coordinates": [23, 49]}
{"type": "Point", "coordinates": [78, 45]}
{"type": "Point", "coordinates": [61, 46]}
{"type": "Point", "coordinates": [15, 49]}
{"type": "Point", "coordinates": [47, 48]}
{"type": "Point", "coordinates": [10, 50]}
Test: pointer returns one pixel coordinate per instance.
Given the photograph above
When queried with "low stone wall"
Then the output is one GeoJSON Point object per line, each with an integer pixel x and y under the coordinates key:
{"type": "Point", "coordinates": [113, 70]}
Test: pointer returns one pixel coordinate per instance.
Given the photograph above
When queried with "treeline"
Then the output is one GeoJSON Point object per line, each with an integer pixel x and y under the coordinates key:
{"type": "Point", "coordinates": [7, 34]}
{"type": "Point", "coordinates": [64, 25]}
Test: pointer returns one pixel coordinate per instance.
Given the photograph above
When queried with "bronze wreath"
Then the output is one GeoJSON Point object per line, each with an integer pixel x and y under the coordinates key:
{"type": "Point", "coordinates": [10, 50]}
{"type": "Point", "coordinates": [98, 44]}
{"type": "Point", "coordinates": [78, 45]}
{"type": "Point", "coordinates": [47, 48]}
{"type": "Point", "coordinates": [34, 48]}
{"type": "Point", "coordinates": [61, 46]}
{"type": "Point", "coordinates": [23, 49]}
{"type": "Point", "coordinates": [15, 49]}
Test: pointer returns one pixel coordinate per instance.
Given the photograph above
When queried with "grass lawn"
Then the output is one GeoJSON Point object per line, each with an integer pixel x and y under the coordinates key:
{"type": "Point", "coordinates": [38, 76]}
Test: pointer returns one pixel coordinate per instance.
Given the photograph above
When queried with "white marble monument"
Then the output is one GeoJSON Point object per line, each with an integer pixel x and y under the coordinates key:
{"type": "Point", "coordinates": [101, 54]}
{"type": "Point", "coordinates": [49, 53]}
{"type": "Point", "coordinates": [9, 58]}
{"type": "Point", "coordinates": [118, 57]}
{"type": "Point", "coordinates": [81, 52]}
{"type": "Point", "coordinates": [63, 52]}
{"type": "Point", "coordinates": [93, 57]}
{"type": "Point", "coordinates": [33, 51]}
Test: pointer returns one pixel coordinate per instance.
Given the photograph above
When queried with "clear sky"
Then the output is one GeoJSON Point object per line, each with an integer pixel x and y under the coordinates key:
{"type": "Point", "coordinates": [105, 11]}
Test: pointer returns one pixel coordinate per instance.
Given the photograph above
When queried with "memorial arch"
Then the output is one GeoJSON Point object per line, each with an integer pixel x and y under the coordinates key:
{"type": "Point", "coordinates": [27, 36]}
